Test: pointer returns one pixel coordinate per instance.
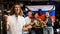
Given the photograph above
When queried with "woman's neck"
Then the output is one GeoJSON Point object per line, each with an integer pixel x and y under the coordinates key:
{"type": "Point", "coordinates": [16, 15]}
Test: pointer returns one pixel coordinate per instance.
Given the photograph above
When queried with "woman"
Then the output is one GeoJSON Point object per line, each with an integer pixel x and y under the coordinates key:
{"type": "Point", "coordinates": [15, 22]}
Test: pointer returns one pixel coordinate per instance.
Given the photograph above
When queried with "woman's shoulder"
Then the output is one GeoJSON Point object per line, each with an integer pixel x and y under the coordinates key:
{"type": "Point", "coordinates": [21, 17]}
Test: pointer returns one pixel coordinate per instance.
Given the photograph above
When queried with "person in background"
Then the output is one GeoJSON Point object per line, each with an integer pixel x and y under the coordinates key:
{"type": "Point", "coordinates": [41, 16]}
{"type": "Point", "coordinates": [28, 20]}
{"type": "Point", "coordinates": [15, 22]}
{"type": "Point", "coordinates": [36, 24]}
{"type": "Point", "coordinates": [48, 29]}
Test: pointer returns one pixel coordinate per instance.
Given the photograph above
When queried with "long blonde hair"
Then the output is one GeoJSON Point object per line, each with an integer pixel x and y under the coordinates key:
{"type": "Point", "coordinates": [12, 9]}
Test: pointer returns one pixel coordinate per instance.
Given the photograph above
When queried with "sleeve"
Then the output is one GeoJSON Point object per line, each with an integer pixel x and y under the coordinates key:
{"type": "Point", "coordinates": [24, 22]}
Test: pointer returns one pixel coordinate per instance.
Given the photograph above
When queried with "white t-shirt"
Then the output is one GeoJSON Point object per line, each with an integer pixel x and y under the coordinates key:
{"type": "Point", "coordinates": [16, 24]}
{"type": "Point", "coordinates": [28, 20]}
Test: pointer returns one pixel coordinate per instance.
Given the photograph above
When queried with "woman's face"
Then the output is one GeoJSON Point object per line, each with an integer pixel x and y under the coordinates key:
{"type": "Point", "coordinates": [36, 15]}
{"type": "Point", "coordinates": [30, 14]}
{"type": "Point", "coordinates": [17, 8]}
{"type": "Point", "coordinates": [47, 14]}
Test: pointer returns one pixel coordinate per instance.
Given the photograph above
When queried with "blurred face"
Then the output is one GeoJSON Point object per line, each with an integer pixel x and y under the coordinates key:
{"type": "Point", "coordinates": [47, 14]}
{"type": "Point", "coordinates": [40, 11]}
{"type": "Point", "coordinates": [30, 14]}
{"type": "Point", "coordinates": [36, 15]}
{"type": "Point", "coordinates": [17, 9]}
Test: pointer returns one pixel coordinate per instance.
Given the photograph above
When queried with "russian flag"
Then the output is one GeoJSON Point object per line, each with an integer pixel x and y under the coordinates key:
{"type": "Point", "coordinates": [44, 8]}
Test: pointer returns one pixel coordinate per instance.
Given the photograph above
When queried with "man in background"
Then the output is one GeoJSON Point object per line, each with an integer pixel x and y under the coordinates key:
{"type": "Point", "coordinates": [28, 21]}
{"type": "Point", "coordinates": [48, 29]}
